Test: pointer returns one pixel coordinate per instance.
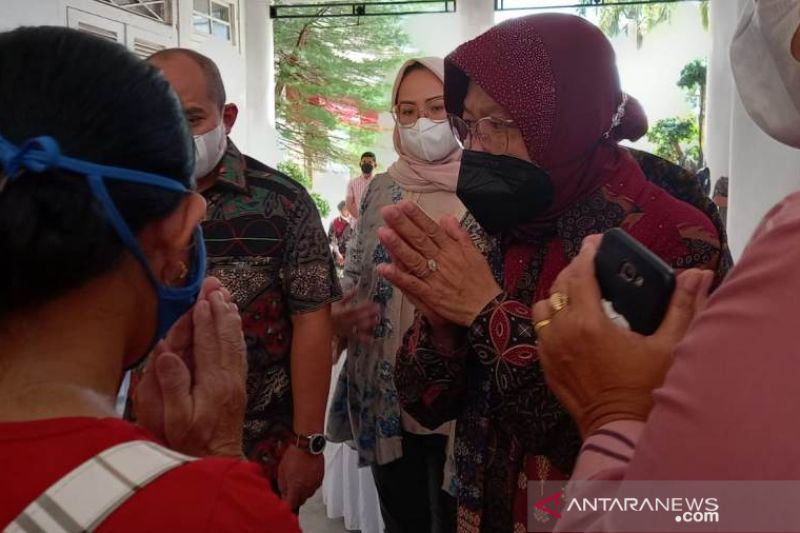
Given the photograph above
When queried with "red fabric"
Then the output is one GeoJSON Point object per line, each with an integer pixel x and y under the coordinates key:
{"type": "Point", "coordinates": [205, 495]}
{"type": "Point", "coordinates": [556, 76]}
{"type": "Point", "coordinates": [339, 225]}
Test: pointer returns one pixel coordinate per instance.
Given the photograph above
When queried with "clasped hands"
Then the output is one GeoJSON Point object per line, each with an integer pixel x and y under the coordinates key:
{"type": "Point", "coordinates": [192, 394]}
{"type": "Point", "coordinates": [437, 266]}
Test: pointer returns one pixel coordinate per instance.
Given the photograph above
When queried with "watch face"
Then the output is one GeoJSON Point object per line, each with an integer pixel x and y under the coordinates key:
{"type": "Point", "coordinates": [316, 444]}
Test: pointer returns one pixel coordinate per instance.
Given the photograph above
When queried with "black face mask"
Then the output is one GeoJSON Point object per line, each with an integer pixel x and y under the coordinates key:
{"type": "Point", "coordinates": [367, 168]}
{"type": "Point", "coordinates": [502, 192]}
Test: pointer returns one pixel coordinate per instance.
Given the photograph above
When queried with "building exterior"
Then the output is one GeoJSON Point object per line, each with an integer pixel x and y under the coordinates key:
{"type": "Point", "coordinates": [236, 34]}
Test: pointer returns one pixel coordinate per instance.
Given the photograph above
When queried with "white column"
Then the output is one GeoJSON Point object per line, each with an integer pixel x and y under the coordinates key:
{"type": "Point", "coordinates": [260, 73]}
{"type": "Point", "coordinates": [761, 170]}
{"type": "Point", "coordinates": [475, 17]}
{"type": "Point", "coordinates": [722, 21]}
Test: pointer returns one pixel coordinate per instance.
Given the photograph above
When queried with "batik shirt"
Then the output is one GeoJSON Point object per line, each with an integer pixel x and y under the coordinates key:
{"type": "Point", "coordinates": [267, 245]}
{"type": "Point", "coordinates": [510, 429]}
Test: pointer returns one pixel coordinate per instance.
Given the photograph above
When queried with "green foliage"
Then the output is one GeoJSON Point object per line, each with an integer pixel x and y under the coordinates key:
{"type": "Point", "coordinates": [681, 139]}
{"type": "Point", "coordinates": [339, 59]}
{"type": "Point", "coordinates": [293, 170]}
{"type": "Point", "coordinates": [693, 80]}
{"type": "Point", "coordinates": [323, 206]}
{"type": "Point", "coordinates": [704, 14]}
{"type": "Point", "coordinates": [640, 19]}
{"type": "Point", "coordinates": [676, 139]}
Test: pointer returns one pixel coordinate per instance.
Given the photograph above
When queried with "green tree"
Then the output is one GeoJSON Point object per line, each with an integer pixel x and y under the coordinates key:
{"type": "Point", "coordinates": [639, 19]}
{"type": "Point", "coordinates": [693, 81]}
{"type": "Point", "coordinates": [340, 60]}
{"type": "Point", "coordinates": [293, 170]}
{"type": "Point", "coordinates": [676, 140]}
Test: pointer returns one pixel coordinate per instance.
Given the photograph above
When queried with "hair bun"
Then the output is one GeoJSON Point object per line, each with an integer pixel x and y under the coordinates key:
{"type": "Point", "coordinates": [634, 124]}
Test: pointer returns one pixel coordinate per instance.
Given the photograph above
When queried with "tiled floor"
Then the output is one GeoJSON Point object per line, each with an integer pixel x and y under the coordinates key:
{"type": "Point", "coordinates": [313, 518]}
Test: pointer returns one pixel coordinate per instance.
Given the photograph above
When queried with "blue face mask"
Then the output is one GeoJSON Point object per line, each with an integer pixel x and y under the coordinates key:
{"type": "Point", "coordinates": [42, 154]}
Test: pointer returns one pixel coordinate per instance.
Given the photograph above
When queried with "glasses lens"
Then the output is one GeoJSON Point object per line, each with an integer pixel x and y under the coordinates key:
{"type": "Point", "coordinates": [493, 135]}
{"type": "Point", "coordinates": [406, 114]}
{"type": "Point", "coordinates": [435, 110]}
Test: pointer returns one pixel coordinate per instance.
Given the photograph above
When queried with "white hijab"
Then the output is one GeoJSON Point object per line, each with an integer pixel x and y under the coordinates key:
{"type": "Point", "coordinates": [767, 74]}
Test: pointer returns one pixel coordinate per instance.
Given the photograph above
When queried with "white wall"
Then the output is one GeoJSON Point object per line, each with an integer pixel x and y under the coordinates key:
{"type": "Point", "coordinates": [254, 132]}
{"type": "Point", "coordinates": [15, 13]}
{"type": "Point", "coordinates": [761, 170]}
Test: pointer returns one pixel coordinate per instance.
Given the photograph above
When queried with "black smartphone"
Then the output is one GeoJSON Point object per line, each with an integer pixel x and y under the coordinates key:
{"type": "Point", "coordinates": [635, 280]}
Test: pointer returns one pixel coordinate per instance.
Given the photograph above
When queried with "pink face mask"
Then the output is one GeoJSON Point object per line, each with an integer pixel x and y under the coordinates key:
{"type": "Point", "coordinates": [767, 74]}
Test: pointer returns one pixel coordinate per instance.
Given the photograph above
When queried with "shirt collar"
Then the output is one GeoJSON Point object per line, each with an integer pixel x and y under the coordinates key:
{"type": "Point", "coordinates": [232, 170]}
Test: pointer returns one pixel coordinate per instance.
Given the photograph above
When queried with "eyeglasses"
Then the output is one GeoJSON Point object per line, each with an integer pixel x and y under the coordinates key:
{"type": "Point", "coordinates": [407, 114]}
{"type": "Point", "coordinates": [491, 133]}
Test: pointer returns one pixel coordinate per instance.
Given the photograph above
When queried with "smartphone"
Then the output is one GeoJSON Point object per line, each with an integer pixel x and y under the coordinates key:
{"type": "Point", "coordinates": [635, 280]}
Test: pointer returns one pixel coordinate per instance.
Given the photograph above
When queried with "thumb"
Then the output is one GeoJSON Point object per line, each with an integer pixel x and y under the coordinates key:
{"type": "Point", "coordinates": [682, 307]}
{"type": "Point", "coordinates": [175, 383]}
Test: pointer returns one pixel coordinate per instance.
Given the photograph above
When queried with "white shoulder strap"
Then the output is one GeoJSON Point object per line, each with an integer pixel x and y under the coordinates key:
{"type": "Point", "coordinates": [82, 499]}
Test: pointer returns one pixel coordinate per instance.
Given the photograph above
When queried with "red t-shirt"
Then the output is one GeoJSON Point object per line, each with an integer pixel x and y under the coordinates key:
{"type": "Point", "coordinates": [204, 495]}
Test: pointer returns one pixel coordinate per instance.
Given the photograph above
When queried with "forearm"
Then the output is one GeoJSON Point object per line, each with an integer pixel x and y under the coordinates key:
{"type": "Point", "coordinates": [311, 370]}
{"type": "Point", "coordinates": [604, 458]}
{"type": "Point", "coordinates": [350, 202]}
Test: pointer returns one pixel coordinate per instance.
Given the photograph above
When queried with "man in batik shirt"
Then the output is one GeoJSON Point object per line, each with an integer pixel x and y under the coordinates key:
{"type": "Point", "coordinates": [267, 245]}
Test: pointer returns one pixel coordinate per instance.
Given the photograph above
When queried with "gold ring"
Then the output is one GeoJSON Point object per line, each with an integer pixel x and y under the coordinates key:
{"type": "Point", "coordinates": [558, 301]}
{"type": "Point", "coordinates": [540, 325]}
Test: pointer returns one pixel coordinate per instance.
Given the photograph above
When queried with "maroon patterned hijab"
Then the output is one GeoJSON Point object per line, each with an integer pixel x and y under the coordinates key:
{"type": "Point", "coordinates": [556, 76]}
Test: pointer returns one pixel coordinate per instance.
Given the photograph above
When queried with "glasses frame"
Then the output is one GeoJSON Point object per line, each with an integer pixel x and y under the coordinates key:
{"type": "Point", "coordinates": [419, 115]}
{"type": "Point", "coordinates": [470, 131]}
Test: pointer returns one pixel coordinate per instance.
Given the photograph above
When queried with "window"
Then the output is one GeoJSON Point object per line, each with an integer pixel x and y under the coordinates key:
{"type": "Point", "coordinates": [159, 10]}
{"type": "Point", "coordinates": [215, 18]}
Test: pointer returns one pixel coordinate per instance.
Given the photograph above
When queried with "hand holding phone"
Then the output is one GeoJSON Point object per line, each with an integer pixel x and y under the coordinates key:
{"type": "Point", "coordinates": [637, 282]}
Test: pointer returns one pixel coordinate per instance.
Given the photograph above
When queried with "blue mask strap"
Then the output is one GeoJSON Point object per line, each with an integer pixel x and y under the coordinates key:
{"type": "Point", "coordinates": [43, 153]}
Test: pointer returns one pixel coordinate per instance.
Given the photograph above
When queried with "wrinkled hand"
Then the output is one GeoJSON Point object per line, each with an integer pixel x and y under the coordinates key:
{"type": "Point", "coordinates": [462, 283]}
{"type": "Point", "coordinates": [600, 371]}
{"type": "Point", "coordinates": [148, 401]}
{"type": "Point", "coordinates": [192, 393]}
{"type": "Point", "coordinates": [354, 320]}
{"type": "Point", "coordinates": [299, 476]}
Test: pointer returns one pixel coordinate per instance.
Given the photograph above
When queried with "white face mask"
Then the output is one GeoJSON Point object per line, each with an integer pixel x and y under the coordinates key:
{"type": "Point", "coordinates": [767, 75]}
{"type": "Point", "coordinates": [208, 150]}
{"type": "Point", "coordinates": [428, 140]}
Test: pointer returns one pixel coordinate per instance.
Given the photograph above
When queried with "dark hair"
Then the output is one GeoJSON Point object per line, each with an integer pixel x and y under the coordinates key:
{"type": "Point", "coordinates": [210, 70]}
{"type": "Point", "coordinates": [342, 205]}
{"type": "Point", "coordinates": [368, 154]}
{"type": "Point", "coordinates": [104, 105]}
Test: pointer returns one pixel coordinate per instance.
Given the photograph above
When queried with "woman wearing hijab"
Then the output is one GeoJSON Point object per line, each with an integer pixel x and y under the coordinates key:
{"type": "Point", "coordinates": [407, 459]}
{"type": "Point", "coordinates": [703, 410]}
{"type": "Point", "coordinates": [539, 109]}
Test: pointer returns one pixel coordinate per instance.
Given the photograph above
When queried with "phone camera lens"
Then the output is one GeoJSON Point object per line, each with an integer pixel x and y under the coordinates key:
{"type": "Point", "coordinates": [628, 272]}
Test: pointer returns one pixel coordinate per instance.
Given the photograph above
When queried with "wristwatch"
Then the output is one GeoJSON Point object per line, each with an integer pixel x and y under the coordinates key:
{"type": "Point", "coordinates": [313, 444]}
